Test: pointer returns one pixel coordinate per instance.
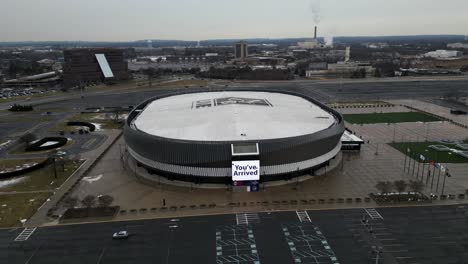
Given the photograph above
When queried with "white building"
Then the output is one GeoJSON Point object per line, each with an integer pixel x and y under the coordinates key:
{"type": "Point", "coordinates": [457, 45]}
{"type": "Point", "coordinates": [444, 54]}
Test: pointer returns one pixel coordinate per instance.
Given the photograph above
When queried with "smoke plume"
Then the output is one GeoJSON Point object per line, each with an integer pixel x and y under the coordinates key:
{"type": "Point", "coordinates": [315, 9]}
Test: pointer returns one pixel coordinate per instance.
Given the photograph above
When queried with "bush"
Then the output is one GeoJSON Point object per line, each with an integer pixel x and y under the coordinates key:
{"type": "Point", "coordinates": [400, 185]}
{"type": "Point", "coordinates": [70, 202]}
{"type": "Point", "coordinates": [105, 200]}
{"type": "Point", "coordinates": [20, 108]}
{"type": "Point", "coordinates": [384, 186]}
{"type": "Point", "coordinates": [416, 186]}
{"type": "Point", "coordinates": [89, 201]}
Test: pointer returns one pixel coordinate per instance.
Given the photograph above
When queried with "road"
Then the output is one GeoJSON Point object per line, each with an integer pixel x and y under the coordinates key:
{"type": "Point", "coordinates": [323, 90]}
{"type": "Point", "coordinates": [407, 235]}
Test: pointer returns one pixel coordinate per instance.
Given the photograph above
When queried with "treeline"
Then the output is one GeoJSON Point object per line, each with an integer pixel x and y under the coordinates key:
{"type": "Point", "coordinates": [20, 108]}
{"type": "Point", "coordinates": [246, 73]}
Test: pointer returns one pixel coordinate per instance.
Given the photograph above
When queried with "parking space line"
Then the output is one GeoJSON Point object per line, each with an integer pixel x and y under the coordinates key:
{"type": "Point", "coordinates": [247, 218]}
{"type": "Point", "coordinates": [307, 244]}
{"type": "Point", "coordinates": [303, 216]}
{"type": "Point", "coordinates": [236, 244]}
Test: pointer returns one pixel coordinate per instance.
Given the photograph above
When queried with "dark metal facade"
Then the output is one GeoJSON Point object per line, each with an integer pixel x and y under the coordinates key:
{"type": "Point", "coordinates": [217, 154]}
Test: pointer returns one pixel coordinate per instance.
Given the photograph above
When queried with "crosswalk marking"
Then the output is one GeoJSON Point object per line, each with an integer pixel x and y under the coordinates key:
{"type": "Point", "coordinates": [303, 216]}
{"type": "Point", "coordinates": [373, 214]}
{"type": "Point", "coordinates": [25, 234]}
{"type": "Point", "coordinates": [247, 218]}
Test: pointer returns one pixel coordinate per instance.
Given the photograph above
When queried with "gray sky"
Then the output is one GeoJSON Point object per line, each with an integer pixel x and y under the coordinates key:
{"type": "Point", "coordinates": [122, 20]}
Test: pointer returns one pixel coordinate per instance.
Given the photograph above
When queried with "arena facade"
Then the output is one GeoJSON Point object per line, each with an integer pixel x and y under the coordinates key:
{"type": "Point", "coordinates": [220, 136]}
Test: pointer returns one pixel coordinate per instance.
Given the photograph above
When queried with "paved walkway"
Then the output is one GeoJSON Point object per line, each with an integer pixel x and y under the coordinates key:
{"type": "Point", "coordinates": [40, 217]}
{"type": "Point", "coordinates": [355, 178]}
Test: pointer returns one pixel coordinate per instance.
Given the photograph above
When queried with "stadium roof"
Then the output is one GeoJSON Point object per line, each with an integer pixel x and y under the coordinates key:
{"type": "Point", "coordinates": [232, 116]}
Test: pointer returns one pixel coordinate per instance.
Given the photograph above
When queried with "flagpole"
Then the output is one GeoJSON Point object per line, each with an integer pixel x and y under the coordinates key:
{"type": "Point", "coordinates": [438, 179]}
{"type": "Point", "coordinates": [414, 165]}
{"type": "Point", "coordinates": [423, 167]}
{"type": "Point", "coordinates": [432, 182]}
{"type": "Point", "coordinates": [406, 156]}
{"type": "Point", "coordinates": [443, 184]}
{"type": "Point", "coordinates": [417, 172]}
{"type": "Point", "coordinates": [438, 176]}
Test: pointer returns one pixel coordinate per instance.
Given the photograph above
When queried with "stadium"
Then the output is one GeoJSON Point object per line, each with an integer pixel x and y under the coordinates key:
{"type": "Point", "coordinates": [232, 136]}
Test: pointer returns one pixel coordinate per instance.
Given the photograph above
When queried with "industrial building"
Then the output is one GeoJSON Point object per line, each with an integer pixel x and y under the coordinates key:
{"type": "Point", "coordinates": [444, 54]}
{"type": "Point", "coordinates": [94, 65]}
{"type": "Point", "coordinates": [227, 137]}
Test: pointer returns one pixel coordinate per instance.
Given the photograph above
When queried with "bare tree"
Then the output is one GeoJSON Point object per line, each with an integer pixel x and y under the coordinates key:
{"type": "Point", "coordinates": [384, 186]}
{"type": "Point", "coordinates": [28, 138]}
{"type": "Point", "coordinates": [105, 200]}
{"type": "Point", "coordinates": [416, 186]}
{"type": "Point", "coordinates": [400, 185]}
{"type": "Point", "coordinates": [70, 202]}
{"type": "Point", "coordinates": [89, 201]}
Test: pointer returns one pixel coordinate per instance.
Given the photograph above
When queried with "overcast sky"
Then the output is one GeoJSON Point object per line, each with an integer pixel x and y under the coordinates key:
{"type": "Point", "coordinates": [123, 20]}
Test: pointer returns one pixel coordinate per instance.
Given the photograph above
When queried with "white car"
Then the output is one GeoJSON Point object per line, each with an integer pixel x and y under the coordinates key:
{"type": "Point", "coordinates": [120, 235]}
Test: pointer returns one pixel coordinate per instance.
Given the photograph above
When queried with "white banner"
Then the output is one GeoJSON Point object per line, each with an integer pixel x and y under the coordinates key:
{"type": "Point", "coordinates": [246, 170]}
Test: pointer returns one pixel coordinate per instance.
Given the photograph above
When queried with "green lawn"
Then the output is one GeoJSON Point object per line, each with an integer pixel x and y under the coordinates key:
{"type": "Point", "coordinates": [39, 180]}
{"type": "Point", "coordinates": [400, 117]}
{"type": "Point", "coordinates": [438, 156]}
{"type": "Point", "coordinates": [14, 207]}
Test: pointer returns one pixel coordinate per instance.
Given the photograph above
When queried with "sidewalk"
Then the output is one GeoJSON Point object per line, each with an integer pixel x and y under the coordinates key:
{"type": "Point", "coordinates": [40, 217]}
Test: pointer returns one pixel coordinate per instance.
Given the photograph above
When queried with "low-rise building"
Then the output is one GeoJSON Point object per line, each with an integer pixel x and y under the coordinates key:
{"type": "Point", "coordinates": [444, 54]}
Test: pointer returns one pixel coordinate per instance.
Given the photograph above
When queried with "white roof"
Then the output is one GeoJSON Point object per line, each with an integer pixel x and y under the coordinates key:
{"type": "Point", "coordinates": [232, 116]}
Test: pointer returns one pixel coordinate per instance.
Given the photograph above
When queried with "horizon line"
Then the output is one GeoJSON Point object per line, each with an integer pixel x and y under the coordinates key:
{"type": "Point", "coordinates": [233, 39]}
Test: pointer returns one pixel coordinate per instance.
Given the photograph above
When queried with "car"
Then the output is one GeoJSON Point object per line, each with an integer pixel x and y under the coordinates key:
{"type": "Point", "coordinates": [120, 235]}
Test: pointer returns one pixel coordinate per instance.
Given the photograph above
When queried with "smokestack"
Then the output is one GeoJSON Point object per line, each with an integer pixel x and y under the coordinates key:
{"type": "Point", "coordinates": [315, 32]}
{"type": "Point", "coordinates": [347, 54]}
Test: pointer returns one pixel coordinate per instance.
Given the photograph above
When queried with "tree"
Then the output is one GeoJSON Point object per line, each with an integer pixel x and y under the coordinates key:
{"type": "Point", "coordinates": [105, 200]}
{"type": "Point", "coordinates": [89, 201]}
{"type": "Point", "coordinates": [27, 138]}
{"type": "Point", "coordinates": [384, 186]}
{"type": "Point", "coordinates": [400, 185]}
{"type": "Point", "coordinates": [416, 186]}
{"type": "Point", "coordinates": [70, 202]}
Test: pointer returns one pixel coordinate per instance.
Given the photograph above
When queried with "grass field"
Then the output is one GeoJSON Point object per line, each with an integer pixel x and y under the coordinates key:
{"type": "Point", "coordinates": [180, 83]}
{"type": "Point", "coordinates": [401, 117]}
{"type": "Point", "coordinates": [423, 148]}
{"type": "Point", "coordinates": [21, 196]}
{"type": "Point", "coordinates": [14, 207]}
{"type": "Point", "coordinates": [39, 180]}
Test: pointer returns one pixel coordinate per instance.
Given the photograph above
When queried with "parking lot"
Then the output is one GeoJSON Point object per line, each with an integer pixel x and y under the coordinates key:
{"type": "Point", "coordinates": [403, 235]}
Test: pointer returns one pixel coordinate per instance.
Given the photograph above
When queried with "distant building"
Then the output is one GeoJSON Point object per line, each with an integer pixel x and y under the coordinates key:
{"type": "Point", "coordinates": [94, 65]}
{"type": "Point", "coordinates": [457, 45]}
{"type": "Point", "coordinates": [312, 43]}
{"type": "Point", "coordinates": [444, 54]}
{"type": "Point", "coordinates": [375, 45]}
{"type": "Point", "coordinates": [341, 69]}
{"type": "Point", "coordinates": [241, 50]}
